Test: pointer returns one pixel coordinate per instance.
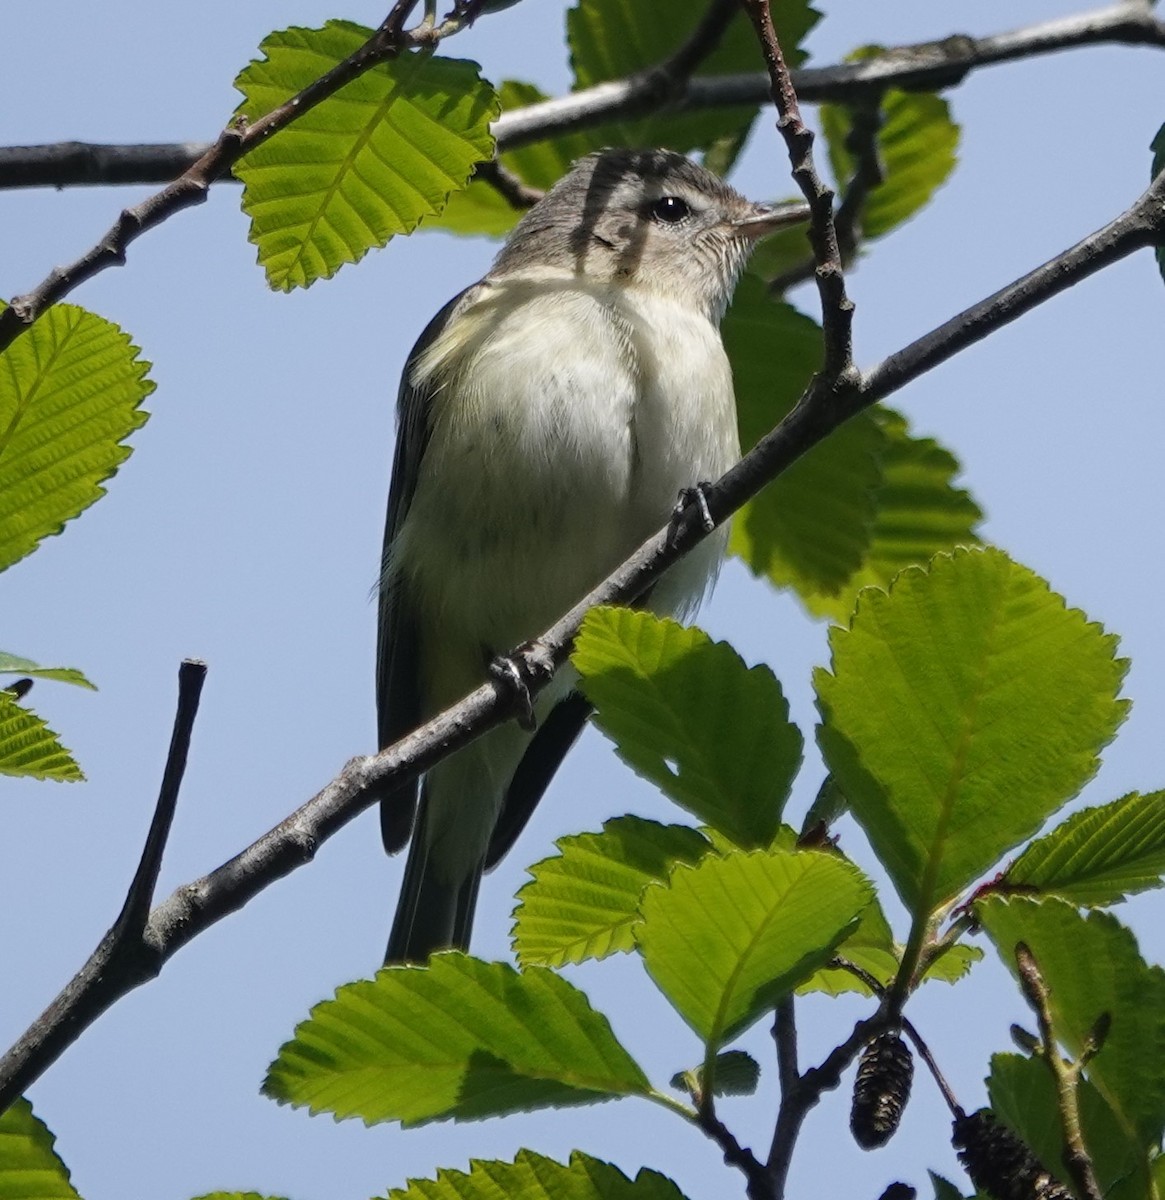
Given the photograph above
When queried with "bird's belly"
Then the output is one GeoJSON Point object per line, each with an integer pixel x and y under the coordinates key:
{"type": "Point", "coordinates": [548, 469]}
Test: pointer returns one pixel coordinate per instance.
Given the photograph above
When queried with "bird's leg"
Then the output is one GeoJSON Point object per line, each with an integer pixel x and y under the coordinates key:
{"type": "Point", "coordinates": [690, 496]}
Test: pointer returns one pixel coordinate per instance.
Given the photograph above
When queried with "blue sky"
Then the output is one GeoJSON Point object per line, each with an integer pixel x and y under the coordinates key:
{"type": "Point", "coordinates": [245, 530]}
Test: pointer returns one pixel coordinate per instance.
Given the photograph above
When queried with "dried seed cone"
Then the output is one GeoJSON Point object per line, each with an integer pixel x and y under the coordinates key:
{"type": "Point", "coordinates": [882, 1087]}
{"type": "Point", "coordinates": [1000, 1164]}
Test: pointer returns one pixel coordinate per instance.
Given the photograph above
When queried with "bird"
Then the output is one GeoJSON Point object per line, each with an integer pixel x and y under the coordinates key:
{"type": "Point", "coordinates": [548, 418]}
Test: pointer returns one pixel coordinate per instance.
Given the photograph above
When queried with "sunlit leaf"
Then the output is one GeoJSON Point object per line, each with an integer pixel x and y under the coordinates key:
{"type": "Point", "coordinates": [1099, 855]}
{"type": "Point", "coordinates": [458, 1038]}
{"type": "Point", "coordinates": [963, 708]}
{"type": "Point", "coordinates": [71, 389]}
{"type": "Point", "coordinates": [734, 1073]}
{"type": "Point", "coordinates": [30, 1168]}
{"type": "Point", "coordinates": [727, 938]}
{"type": "Point", "coordinates": [583, 901]}
{"type": "Point", "coordinates": [533, 1177]}
{"type": "Point", "coordinates": [686, 713]}
{"type": "Point", "coordinates": [369, 162]}
{"type": "Point", "coordinates": [14, 664]}
{"type": "Point", "coordinates": [29, 747]}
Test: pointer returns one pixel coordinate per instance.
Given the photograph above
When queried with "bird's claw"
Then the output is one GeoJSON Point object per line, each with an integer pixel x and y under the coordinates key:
{"type": "Point", "coordinates": [507, 671]}
{"type": "Point", "coordinates": [691, 496]}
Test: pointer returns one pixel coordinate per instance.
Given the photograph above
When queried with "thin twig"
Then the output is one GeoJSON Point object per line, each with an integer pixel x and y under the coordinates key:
{"type": "Point", "coordinates": [757, 1186]}
{"type": "Point", "coordinates": [925, 67]}
{"type": "Point", "coordinates": [838, 371]}
{"type": "Point", "coordinates": [196, 906]}
{"type": "Point", "coordinates": [507, 184]}
{"type": "Point", "coordinates": [862, 144]}
{"type": "Point", "coordinates": [123, 957]}
{"type": "Point", "coordinates": [193, 186]}
{"type": "Point", "coordinates": [1066, 1076]}
{"type": "Point", "coordinates": [136, 909]}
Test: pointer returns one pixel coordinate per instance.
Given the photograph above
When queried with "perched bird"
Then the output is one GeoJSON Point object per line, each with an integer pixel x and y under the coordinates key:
{"type": "Point", "coordinates": [548, 419]}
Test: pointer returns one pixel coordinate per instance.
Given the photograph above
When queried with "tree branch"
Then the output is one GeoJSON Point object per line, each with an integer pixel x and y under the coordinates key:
{"type": "Point", "coordinates": [838, 372]}
{"type": "Point", "coordinates": [193, 186]}
{"type": "Point", "coordinates": [928, 66]}
{"type": "Point", "coordinates": [122, 954]}
{"type": "Point", "coordinates": [193, 908]}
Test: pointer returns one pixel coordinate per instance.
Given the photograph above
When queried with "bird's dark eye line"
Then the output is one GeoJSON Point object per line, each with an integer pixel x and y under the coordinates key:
{"type": "Point", "coordinates": [671, 210]}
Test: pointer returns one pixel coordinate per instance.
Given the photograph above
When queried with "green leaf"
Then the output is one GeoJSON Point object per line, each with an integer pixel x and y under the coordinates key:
{"type": "Point", "coordinates": [583, 901]}
{"type": "Point", "coordinates": [480, 208]}
{"type": "Point", "coordinates": [610, 39]}
{"type": "Point", "coordinates": [943, 1188]}
{"type": "Point", "coordinates": [369, 162]}
{"type": "Point", "coordinates": [963, 708]}
{"type": "Point", "coordinates": [70, 394]}
{"type": "Point", "coordinates": [1158, 148]}
{"type": "Point", "coordinates": [809, 529]}
{"type": "Point", "coordinates": [734, 1073]}
{"type": "Point", "coordinates": [916, 147]}
{"type": "Point", "coordinates": [30, 1168]}
{"type": "Point", "coordinates": [686, 713]}
{"type": "Point", "coordinates": [1099, 855]}
{"type": "Point", "coordinates": [28, 747]}
{"type": "Point", "coordinates": [918, 513]}
{"type": "Point", "coordinates": [727, 938]}
{"type": "Point", "coordinates": [459, 1038]}
{"type": "Point", "coordinates": [13, 664]}
{"type": "Point", "coordinates": [1092, 966]}
{"type": "Point", "coordinates": [533, 1177]}
{"type": "Point", "coordinates": [1023, 1097]}
{"type": "Point", "coordinates": [872, 947]}
{"type": "Point", "coordinates": [237, 1196]}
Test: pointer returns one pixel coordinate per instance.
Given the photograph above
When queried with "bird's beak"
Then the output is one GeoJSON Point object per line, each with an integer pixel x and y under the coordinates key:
{"type": "Point", "coordinates": [764, 219]}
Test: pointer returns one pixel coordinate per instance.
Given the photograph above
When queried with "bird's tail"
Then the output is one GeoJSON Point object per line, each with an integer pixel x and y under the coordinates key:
{"type": "Point", "coordinates": [432, 913]}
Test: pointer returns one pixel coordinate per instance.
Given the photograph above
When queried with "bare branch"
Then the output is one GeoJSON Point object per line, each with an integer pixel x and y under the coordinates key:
{"type": "Point", "coordinates": [193, 186]}
{"type": "Point", "coordinates": [838, 372]}
{"type": "Point", "coordinates": [196, 906]}
{"type": "Point", "coordinates": [928, 66]}
{"type": "Point", "coordinates": [123, 958]}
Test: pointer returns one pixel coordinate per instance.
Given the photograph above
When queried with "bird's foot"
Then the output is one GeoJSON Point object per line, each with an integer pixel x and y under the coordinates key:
{"type": "Point", "coordinates": [516, 671]}
{"type": "Point", "coordinates": [691, 497]}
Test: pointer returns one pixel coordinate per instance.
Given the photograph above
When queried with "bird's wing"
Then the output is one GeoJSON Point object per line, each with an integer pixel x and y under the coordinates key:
{"type": "Point", "coordinates": [398, 696]}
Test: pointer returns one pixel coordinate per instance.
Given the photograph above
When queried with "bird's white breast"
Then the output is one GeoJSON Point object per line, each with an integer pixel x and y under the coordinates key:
{"type": "Point", "coordinates": [565, 422]}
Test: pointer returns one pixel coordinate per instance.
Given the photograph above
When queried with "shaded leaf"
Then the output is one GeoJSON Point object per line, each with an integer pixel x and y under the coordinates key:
{"type": "Point", "coordinates": [1023, 1097]}
{"type": "Point", "coordinates": [916, 147]}
{"type": "Point", "coordinates": [1099, 855]}
{"type": "Point", "coordinates": [29, 747]}
{"type": "Point", "coordinates": [583, 901]}
{"type": "Point", "coordinates": [458, 1038]}
{"type": "Point", "coordinates": [534, 1177]}
{"type": "Point", "coordinates": [918, 513]}
{"type": "Point", "coordinates": [25, 666]}
{"type": "Point", "coordinates": [686, 713]}
{"type": "Point", "coordinates": [1092, 966]}
{"type": "Point", "coordinates": [727, 938]}
{"type": "Point", "coordinates": [71, 388]}
{"type": "Point", "coordinates": [610, 39]}
{"type": "Point", "coordinates": [809, 529]}
{"type": "Point", "coordinates": [30, 1168]}
{"type": "Point", "coordinates": [963, 708]}
{"type": "Point", "coordinates": [943, 1188]}
{"type": "Point", "coordinates": [734, 1073]}
{"type": "Point", "coordinates": [237, 1196]}
{"type": "Point", "coordinates": [369, 162]}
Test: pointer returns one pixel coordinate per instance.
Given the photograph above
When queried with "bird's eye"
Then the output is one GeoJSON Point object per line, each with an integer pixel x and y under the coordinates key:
{"type": "Point", "coordinates": [671, 210]}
